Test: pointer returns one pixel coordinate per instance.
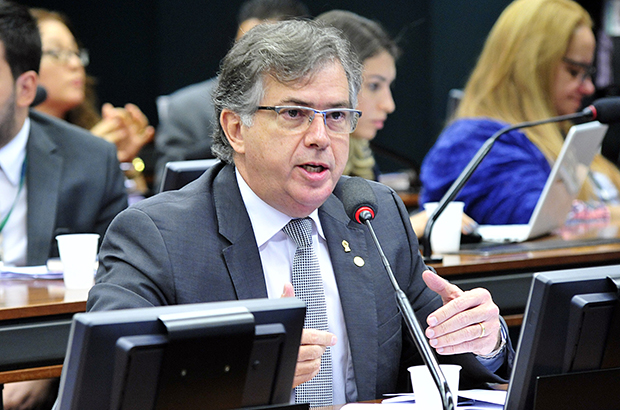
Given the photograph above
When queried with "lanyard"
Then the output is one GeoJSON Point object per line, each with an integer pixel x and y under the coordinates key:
{"type": "Point", "coordinates": [22, 180]}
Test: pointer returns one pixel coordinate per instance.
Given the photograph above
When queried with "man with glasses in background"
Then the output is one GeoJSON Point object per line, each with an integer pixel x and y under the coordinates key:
{"type": "Point", "coordinates": [284, 102]}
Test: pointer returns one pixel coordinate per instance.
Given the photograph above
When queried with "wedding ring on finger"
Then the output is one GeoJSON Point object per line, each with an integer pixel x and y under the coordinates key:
{"type": "Point", "coordinates": [481, 330]}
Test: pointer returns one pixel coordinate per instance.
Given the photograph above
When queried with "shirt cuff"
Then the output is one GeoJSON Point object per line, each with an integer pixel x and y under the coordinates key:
{"type": "Point", "coordinates": [494, 360]}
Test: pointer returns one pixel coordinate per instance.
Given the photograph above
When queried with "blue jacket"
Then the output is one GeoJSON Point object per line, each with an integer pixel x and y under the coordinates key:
{"type": "Point", "coordinates": [505, 187]}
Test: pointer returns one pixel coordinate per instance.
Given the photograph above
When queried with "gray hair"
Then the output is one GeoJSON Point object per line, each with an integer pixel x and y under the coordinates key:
{"type": "Point", "coordinates": [290, 52]}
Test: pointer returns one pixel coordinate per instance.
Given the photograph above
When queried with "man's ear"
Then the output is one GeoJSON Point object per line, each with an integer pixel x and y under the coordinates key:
{"type": "Point", "coordinates": [26, 88]}
{"type": "Point", "coordinates": [231, 124]}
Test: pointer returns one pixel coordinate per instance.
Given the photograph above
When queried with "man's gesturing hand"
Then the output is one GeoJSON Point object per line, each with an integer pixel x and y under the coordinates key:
{"type": "Point", "coordinates": [313, 345]}
{"type": "Point", "coordinates": [467, 321]}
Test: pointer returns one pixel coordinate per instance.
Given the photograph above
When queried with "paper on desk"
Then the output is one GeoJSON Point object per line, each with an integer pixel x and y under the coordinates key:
{"type": "Point", "coordinates": [28, 272]}
{"type": "Point", "coordinates": [482, 399]}
{"type": "Point", "coordinates": [497, 397]}
{"type": "Point", "coordinates": [411, 406]}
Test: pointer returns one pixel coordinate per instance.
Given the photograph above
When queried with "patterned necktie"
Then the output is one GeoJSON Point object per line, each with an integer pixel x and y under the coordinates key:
{"type": "Point", "coordinates": [308, 286]}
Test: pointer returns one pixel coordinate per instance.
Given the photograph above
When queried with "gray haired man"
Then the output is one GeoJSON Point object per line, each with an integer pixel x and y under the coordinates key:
{"type": "Point", "coordinates": [285, 103]}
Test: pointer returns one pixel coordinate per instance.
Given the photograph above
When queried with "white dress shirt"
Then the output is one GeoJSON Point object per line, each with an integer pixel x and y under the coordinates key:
{"type": "Point", "coordinates": [14, 234]}
{"type": "Point", "coordinates": [276, 252]}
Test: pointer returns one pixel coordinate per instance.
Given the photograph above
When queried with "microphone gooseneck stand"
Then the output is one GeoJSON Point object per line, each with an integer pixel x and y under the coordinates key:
{"type": "Point", "coordinates": [447, 397]}
{"type": "Point", "coordinates": [462, 179]}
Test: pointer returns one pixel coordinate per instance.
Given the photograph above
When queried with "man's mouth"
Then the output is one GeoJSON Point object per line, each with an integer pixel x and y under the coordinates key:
{"type": "Point", "coordinates": [313, 168]}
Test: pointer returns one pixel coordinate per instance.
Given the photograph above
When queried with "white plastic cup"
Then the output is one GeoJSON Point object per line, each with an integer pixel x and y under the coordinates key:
{"type": "Point", "coordinates": [425, 389]}
{"type": "Point", "coordinates": [78, 253]}
{"type": "Point", "coordinates": [446, 233]}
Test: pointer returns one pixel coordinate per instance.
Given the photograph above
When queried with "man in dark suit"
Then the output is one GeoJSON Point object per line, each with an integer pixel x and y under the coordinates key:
{"type": "Point", "coordinates": [54, 178]}
{"type": "Point", "coordinates": [187, 116]}
{"type": "Point", "coordinates": [284, 102]}
{"type": "Point", "coordinates": [74, 182]}
{"type": "Point", "coordinates": [71, 180]}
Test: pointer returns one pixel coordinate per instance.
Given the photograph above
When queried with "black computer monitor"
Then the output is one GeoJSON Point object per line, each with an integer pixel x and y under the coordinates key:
{"type": "Point", "coordinates": [218, 355]}
{"type": "Point", "coordinates": [569, 341]}
{"type": "Point", "coordinates": [177, 174]}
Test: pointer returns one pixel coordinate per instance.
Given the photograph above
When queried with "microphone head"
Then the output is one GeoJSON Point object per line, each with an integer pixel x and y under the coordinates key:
{"type": "Point", "coordinates": [605, 110]}
{"type": "Point", "coordinates": [358, 198]}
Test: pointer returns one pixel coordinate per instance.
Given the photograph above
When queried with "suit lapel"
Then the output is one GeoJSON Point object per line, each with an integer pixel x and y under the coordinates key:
{"type": "Point", "coordinates": [241, 257]}
{"type": "Point", "coordinates": [43, 183]}
{"type": "Point", "coordinates": [355, 285]}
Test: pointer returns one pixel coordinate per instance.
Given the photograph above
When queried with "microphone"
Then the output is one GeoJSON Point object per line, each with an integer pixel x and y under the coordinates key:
{"type": "Point", "coordinates": [359, 200]}
{"type": "Point", "coordinates": [360, 204]}
{"type": "Point", "coordinates": [605, 110]}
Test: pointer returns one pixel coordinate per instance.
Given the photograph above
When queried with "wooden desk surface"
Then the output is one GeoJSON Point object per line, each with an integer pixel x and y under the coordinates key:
{"type": "Point", "coordinates": [49, 307]}
{"type": "Point", "coordinates": [532, 259]}
{"type": "Point", "coordinates": [508, 276]}
{"type": "Point", "coordinates": [589, 255]}
{"type": "Point", "coordinates": [34, 298]}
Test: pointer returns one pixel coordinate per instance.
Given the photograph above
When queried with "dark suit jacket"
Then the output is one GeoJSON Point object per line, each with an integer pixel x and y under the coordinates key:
{"type": "Point", "coordinates": [74, 182]}
{"type": "Point", "coordinates": [197, 245]}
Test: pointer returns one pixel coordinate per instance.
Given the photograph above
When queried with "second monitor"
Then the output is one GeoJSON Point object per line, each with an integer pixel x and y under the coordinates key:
{"type": "Point", "coordinates": [568, 354]}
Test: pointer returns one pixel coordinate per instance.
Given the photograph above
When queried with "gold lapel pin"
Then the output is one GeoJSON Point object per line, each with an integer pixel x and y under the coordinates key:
{"type": "Point", "coordinates": [359, 261]}
{"type": "Point", "coordinates": [346, 246]}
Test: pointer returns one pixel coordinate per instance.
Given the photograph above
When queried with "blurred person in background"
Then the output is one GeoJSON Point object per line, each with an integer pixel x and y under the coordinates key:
{"type": "Point", "coordinates": [71, 96]}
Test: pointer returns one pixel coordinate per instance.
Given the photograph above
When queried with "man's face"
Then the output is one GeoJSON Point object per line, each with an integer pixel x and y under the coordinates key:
{"type": "Point", "coordinates": [295, 172]}
{"type": "Point", "coordinates": [7, 101]}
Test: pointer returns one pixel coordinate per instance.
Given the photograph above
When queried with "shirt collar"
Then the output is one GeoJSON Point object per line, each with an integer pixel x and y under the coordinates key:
{"type": "Point", "coordinates": [12, 154]}
{"type": "Point", "coordinates": [266, 220]}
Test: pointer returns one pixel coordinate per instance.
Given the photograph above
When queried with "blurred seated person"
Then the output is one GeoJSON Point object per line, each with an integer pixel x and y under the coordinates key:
{"type": "Point", "coordinates": [378, 53]}
{"type": "Point", "coordinates": [186, 116]}
{"type": "Point", "coordinates": [55, 178]}
{"type": "Point", "coordinates": [71, 96]}
{"type": "Point", "coordinates": [536, 64]}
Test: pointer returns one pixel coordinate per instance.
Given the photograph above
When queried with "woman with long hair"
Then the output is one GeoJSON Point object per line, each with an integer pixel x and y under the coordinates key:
{"type": "Point", "coordinates": [537, 63]}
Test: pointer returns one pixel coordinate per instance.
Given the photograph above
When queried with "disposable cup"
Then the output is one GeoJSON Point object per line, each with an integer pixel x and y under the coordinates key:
{"type": "Point", "coordinates": [78, 253]}
{"type": "Point", "coordinates": [425, 389]}
{"type": "Point", "coordinates": [446, 233]}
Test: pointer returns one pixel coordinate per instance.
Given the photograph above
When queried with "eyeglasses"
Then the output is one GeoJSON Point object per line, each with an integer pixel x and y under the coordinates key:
{"type": "Point", "coordinates": [63, 56]}
{"type": "Point", "coordinates": [298, 119]}
{"type": "Point", "coordinates": [584, 70]}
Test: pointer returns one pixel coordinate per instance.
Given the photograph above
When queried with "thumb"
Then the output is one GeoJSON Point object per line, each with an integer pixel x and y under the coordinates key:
{"type": "Point", "coordinates": [288, 291]}
{"type": "Point", "coordinates": [442, 287]}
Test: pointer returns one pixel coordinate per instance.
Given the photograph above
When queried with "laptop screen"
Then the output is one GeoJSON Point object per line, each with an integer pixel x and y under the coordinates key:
{"type": "Point", "coordinates": [563, 185]}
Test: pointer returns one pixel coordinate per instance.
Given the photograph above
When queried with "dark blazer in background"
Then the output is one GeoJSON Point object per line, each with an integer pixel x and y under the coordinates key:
{"type": "Point", "coordinates": [74, 182]}
{"type": "Point", "coordinates": [197, 245]}
{"type": "Point", "coordinates": [186, 120]}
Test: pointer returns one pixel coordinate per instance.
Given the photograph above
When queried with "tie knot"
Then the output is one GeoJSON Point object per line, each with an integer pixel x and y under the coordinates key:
{"type": "Point", "coordinates": [300, 231]}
